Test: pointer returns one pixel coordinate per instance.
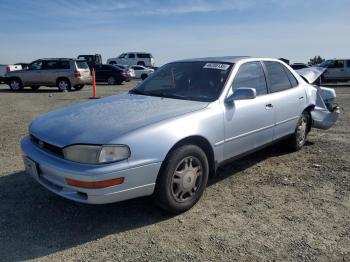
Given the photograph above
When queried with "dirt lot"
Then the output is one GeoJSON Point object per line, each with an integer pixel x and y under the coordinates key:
{"type": "Point", "coordinates": [273, 205]}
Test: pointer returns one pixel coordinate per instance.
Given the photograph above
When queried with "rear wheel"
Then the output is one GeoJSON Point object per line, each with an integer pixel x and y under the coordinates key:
{"type": "Point", "coordinates": [34, 88]}
{"type": "Point", "coordinates": [298, 139]}
{"type": "Point", "coordinates": [182, 179]}
{"type": "Point", "coordinates": [78, 87]}
{"type": "Point", "coordinates": [111, 80]}
{"type": "Point", "coordinates": [16, 84]}
{"type": "Point", "coordinates": [63, 84]}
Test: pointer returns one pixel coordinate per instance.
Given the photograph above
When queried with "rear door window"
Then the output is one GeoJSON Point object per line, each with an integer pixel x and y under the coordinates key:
{"type": "Point", "coordinates": [144, 55]}
{"type": "Point", "coordinates": [50, 65]}
{"type": "Point", "coordinates": [251, 75]}
{"type": "Point", "coordinates": [277, 77]}
{"type": "Point", "coordinates": [347, 63]}
{"type": "Point", "coordinates": [63, 65]}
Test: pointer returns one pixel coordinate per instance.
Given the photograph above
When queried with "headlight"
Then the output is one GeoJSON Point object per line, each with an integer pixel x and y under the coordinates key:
{"type": "Point", "coordinates": [95, 154]}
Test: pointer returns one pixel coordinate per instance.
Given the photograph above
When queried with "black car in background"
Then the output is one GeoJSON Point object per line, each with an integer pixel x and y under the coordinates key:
{"type": "Point", "coordinates": [297, 66]}
{"type": "Point", "coordinates": [111, 75]}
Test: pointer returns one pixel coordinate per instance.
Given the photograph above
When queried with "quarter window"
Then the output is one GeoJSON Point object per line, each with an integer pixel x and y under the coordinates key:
{"type": "Point", "coordinates": [251, 75]}
{"type": "Point", "coordinates": [278, 79]}
{"type": "Point", "coordinates": [291, 77]}
{"type": "Point", "coordinates": [348, 63]}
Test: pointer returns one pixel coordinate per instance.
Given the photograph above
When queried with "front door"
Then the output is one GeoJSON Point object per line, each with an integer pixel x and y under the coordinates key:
{"type": "Point", "coordinates": [32, 76]}
{"type": "Point", "coordinates": [335, 71]}
{"type": "Point", "coordinates": [248, 123]}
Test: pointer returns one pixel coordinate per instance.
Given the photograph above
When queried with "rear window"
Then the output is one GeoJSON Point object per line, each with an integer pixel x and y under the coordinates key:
{"type": "Point", "coordinates": [144, 55]}
{"type": "Point", "coordinates": [82, 65]}
{"type": "Point", "coordinates": [277, 76]}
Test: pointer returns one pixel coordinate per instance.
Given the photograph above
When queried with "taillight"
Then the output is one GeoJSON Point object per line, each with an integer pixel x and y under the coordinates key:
{"type": "Point", "coordinates": [8, 69]}
{"type": "Point", "coordinates": [123, 73]}
{"type": "Point", "coordinates": [77, 74]}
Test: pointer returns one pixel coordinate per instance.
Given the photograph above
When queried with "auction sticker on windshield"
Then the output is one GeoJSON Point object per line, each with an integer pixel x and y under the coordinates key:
{"type": "Point", "coordinates": [216, 66]}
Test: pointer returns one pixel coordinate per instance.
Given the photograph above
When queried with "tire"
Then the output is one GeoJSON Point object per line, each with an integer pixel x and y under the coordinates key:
{"type": "Point", "coordinates": [182, 180]}
{"type": "Point", "coordinates": [34, 88]}
{"type": "Point", "coordinates": [111, 80]}
{"type": "Point", "coordinates": [63, 84]}
{"type": "Point", "coordinates": [141, 63]}
{"type": "Point", "coordinates": [78, 87]}
{"type": "Point", "coordinates": [298, 139]}
{"type": "Point", "coordinates": [16, 84]}
{"type": "Point", "coordinates": [144, 76]}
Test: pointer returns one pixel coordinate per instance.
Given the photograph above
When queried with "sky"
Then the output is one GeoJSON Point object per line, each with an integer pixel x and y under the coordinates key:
{"type": "Point", "coordinates": [172, 30]}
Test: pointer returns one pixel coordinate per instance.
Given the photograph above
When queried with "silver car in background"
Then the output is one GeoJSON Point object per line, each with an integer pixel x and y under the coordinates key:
{"type": "Point", "coordinates": [169, 133]}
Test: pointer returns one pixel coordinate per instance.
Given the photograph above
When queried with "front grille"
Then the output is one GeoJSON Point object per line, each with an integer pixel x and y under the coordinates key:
{"type": "Point", "coordinates": [46, 146]}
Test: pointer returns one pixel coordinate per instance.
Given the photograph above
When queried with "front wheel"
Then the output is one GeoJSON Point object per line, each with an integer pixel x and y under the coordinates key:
{"type": "Point", "coordinates": [182, 179]}
{"type": "Point", "coordinates": [298, 139]}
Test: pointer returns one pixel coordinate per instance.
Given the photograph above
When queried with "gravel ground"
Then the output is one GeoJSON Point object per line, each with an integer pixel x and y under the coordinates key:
{"type": "Point", "coordinates": [270, 206]}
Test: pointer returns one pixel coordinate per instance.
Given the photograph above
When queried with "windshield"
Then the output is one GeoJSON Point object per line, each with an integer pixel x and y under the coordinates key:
{"type": "Point", "coordinates": [199, 81]}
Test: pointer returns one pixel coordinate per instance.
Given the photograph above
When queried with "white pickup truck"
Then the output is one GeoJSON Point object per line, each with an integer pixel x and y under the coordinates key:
{"type": "Point", "coordinates": [8, 68]}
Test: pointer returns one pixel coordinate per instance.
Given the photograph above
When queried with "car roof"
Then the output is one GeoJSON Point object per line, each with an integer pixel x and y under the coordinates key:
{"type": "Point", "coordinates": [63, 59]}
{"type": "Point", "coordinates": [222, 59]}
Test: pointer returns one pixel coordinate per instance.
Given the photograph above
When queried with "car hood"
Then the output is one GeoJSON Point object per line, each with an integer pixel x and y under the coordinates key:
{"type": "Point", "coordinates": [101, 121]}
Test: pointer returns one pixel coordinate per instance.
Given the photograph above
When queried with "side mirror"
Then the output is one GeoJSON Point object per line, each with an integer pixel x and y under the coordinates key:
{"type": "Point", "coordinates": [242, 93]}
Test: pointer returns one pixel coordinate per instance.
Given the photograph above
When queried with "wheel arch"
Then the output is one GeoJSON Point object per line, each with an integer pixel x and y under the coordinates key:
{"type": "Point", "coordinates": [62, 77]}
{"type": "Point", "coordinates": [202, 143]}
{"type": "Point", "coordinates": [308, 109]}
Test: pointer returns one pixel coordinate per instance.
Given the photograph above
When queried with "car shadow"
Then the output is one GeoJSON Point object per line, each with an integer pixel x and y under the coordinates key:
{"type": "Point", "coordinates": [36, 223]}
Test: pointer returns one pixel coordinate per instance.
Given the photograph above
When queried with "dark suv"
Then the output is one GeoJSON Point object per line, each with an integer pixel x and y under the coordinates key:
{"type": "Point", "coordinates": [64, 73]}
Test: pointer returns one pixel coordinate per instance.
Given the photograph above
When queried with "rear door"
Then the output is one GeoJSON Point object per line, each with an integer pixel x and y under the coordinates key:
{"type": "Point", "coordinates": [347, 69]}
{"type": "Point", "coordinates": [248, 123]}
{"type": "Point", "coordinates": [287, 98]}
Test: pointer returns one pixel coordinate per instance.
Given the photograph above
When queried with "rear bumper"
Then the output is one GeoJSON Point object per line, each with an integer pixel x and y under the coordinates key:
{"type": "Point", "coordinates": [52, 172]}
{"type": "Point", "coordinates": [323, 118]}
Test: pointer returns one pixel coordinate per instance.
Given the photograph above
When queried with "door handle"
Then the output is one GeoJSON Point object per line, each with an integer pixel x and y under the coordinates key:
{"type": "Point", "coordinates": [301, 97]}
{"type": "Point", "coordinates": [268, 106]}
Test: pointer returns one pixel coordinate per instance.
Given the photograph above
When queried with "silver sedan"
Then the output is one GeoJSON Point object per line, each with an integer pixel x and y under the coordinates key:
{"type": "Point", "coordinates": [167, 135]}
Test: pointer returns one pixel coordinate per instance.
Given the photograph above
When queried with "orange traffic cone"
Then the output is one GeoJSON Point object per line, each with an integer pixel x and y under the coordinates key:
{"type": "Point", "coordinates": [94, 86]}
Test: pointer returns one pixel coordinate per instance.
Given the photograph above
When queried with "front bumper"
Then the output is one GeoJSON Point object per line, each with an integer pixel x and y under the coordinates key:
{"type": "Point", "coordinates": [52, 171]}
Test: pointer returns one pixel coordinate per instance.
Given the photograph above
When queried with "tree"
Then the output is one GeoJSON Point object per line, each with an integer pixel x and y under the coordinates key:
{"type": "Point", "coordinates": [316, 60]}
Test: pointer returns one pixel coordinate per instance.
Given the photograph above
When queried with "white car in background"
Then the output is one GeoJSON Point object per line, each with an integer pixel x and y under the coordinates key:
{"type": "Point", "coordinates": [126, 68]}
{"type": "Point", "coordinates": [8, 68]}
{"type": "Point", "coordinates": [141, 71]}
{"type": "Point", "coordinates": [133, 58]}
